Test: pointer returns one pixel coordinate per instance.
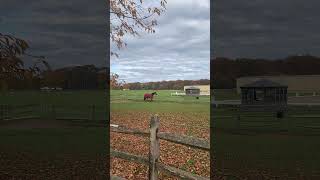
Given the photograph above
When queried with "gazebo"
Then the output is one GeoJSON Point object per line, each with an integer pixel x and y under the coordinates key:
{"type": "Point", "coordinates": [264, 93]}
{"type": "Point", "coordinates": [192, 91]}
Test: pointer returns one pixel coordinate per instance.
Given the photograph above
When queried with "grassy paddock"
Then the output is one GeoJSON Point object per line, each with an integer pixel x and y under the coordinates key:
{"type": "Point", "coordinates": [67, 98]}
{"type": "Point", "coordinates": [260, 142]}
{"type": "Point", "coordinates": [231, 94]}
{"type": "Point", "coordinates": [66, 103]}
{"type": "Point", "coordinates": [181, 115]}
{"type": "Point", "coordinates": [163, 102]}
{"type": "Point", "coordinates": [48, 149]}
{"type": "Point", "coordinates": [271, 153]}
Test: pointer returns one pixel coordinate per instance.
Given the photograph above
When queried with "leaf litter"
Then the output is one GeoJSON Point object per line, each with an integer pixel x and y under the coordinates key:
{"type": "Point", "coordinates": [189, 159]}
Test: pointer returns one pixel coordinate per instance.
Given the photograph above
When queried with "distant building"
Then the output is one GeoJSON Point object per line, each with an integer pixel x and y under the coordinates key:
{"type": "Point", "coordinates": [264, 95]}
{"type": "Point", "coordinates": [192, 91]}
{"type": "Point", "coordinates": [296, 83]}
{"type": "Point", "coordinates": [264, 92]}
{"type": "Point", "coordinates": [203, 89]}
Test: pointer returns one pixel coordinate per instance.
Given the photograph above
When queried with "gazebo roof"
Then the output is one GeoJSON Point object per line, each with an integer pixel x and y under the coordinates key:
{"type": "Point", "coordinates": [263, 83]}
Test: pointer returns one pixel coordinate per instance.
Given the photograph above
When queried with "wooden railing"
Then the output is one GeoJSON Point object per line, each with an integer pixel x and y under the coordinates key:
{"type": "Point", "coordinates": [91, 115]}
{"type": "Point", "coordinates": [154, 150]}
{"type": "Point", "coordinates": [17, 112]}
{"type": "Point", "coordinates": [298, 120]}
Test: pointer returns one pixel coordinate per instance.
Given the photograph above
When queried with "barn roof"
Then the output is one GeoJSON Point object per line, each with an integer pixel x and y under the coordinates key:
{"type": "Point", "coordinates": [263, 83]}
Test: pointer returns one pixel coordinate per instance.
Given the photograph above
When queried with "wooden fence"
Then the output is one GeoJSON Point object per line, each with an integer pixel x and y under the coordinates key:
{"type": "Point", "coordinates": [154, 150]}
{"type": "Point", "coordinates": [78, 114]}
{"type": "Point", "coordinates": [17, 112]}
{"type": "Point", "coordinates": [296, 120]}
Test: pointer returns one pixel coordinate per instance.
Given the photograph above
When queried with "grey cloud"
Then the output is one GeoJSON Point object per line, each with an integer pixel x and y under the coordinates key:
{"type": "Point", "coordinates": [180, 49]}
{"type": "Point", "coordinates": [265, 28]}
{"type": "Point", "coordinates": [66, 32]}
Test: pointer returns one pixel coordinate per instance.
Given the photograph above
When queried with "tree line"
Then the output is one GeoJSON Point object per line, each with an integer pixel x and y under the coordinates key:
{"type": "Point", "coordinates": [225, 71]}
{"type": "Point", "coordinates": [77, 77]}
{"type": "Point", "coordinates": [164, 85]}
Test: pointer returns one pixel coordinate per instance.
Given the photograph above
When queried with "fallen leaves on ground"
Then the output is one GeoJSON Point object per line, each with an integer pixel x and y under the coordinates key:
{"type": "Point", "coordinates": [28, 165]}
{"type": "Point", "coordinates": [189, 159]}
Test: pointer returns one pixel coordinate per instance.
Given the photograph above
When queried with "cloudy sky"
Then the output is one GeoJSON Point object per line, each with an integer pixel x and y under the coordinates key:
{"type": "Point", "coordinates": [180, 48]}
{"type": "Point", "coordinates": [265, 28]}
{"type": "Point", "coordinates": [71, 32]}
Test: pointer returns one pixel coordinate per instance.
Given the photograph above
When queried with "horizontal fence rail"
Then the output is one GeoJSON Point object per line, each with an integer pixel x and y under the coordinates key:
{"type": "Point", "coordinates": [124, 130]}
{"type": "Point", "coordinates": [17, 112]}
{"type": "Point", "coordinates": [152, 161]}
{"type": "Point", "coordinates": [179, 139]}
{"type": "Point", "coordinates": [143, 160]}
{"type": "Point", "coordinates": [116, 178]}
{"type": "Point", "coordinates": [298, 120]}
{"type": "Point", "coordinates": [88, 115]}
{"type": "Point", "coordinates": [185, 140]}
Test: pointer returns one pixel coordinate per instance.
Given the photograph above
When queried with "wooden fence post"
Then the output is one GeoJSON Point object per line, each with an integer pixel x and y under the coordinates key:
{"type": "Point", "coordinates": [41, 110]}
{"type": "Point", "coordinates": [93, 112]}
{"type": "Point", "coordinates": [1, 112]}
{"type": "Point", "coordinates": [43, 113]}
{"type": "Point", "coordinates": [238, 121]}
{"type": "Point", "coordinates": [8, 112]}
{"type": "Point", "coordinates": [54, 112]}
{"type": "Point", "coordinates": [154, 149]}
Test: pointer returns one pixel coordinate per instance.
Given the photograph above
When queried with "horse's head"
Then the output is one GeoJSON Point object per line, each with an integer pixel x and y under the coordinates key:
{"type": "Point", "coordinates": [154, 93]}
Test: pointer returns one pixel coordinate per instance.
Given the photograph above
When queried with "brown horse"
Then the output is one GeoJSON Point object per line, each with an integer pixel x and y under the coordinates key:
{"type": "Point", "coordinates": [149, 96]}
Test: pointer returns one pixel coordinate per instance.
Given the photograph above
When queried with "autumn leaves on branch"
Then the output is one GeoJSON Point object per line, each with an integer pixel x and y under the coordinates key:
{"type": "Point", "coordinates": [12, 50]}
{"type": "Point", "coordinates": [132, 16]}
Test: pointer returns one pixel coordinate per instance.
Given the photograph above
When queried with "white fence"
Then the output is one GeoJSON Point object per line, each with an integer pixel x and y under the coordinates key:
{"type": "Point", "coordinates": [183, 94]}
{"type": "Point", "coordinates": [178, 94]}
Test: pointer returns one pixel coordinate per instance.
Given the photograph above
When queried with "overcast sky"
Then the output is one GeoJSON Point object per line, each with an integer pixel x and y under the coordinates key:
{"type": "Point", "coordinates": [266, 28]}
{"type": "Point", "coordinates": [67, 32]}
{"type": "Point", "coordinates": [180, 48]}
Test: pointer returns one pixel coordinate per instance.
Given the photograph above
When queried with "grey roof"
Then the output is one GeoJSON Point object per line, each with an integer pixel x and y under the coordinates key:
{"type": "Point", "coordinates": [263, 83]}
{"type": "Point", "coordinates": [192, 88]}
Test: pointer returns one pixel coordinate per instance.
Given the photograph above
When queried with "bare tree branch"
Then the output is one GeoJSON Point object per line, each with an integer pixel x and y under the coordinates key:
{"type": "Point", "coordinates": [130, 17]}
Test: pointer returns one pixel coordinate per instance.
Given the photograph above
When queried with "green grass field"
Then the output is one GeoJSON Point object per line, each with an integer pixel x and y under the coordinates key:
{"type": "Point", "coordinates": [47, 150]}
{"type": "Point", "coordinates": [163, 102]}
{"type": "Point", "coordinates": [277, 148]}
{"type": "Point", "coordinates": [231, 94]}
{"type": "Point", "coordinates": [262, 144]}
{"type": "Point", "coordinates": [68, 98]}
{"type": "Point", "coordinates": [66, 103]}
{"type": "Point", "coordinates": [180, 115]}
